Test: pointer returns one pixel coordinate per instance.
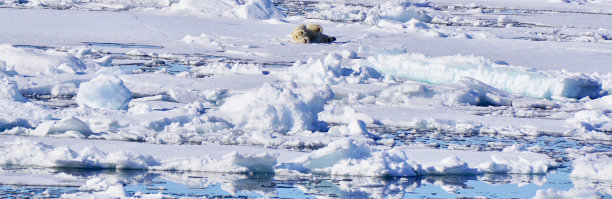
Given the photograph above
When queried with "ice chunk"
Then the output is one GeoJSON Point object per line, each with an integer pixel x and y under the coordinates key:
{"type": "Point", "coordinates": [32, 63]}
{"type": "Point", "coordinates": [104, 92]}
{"type": "Point", "coordinates": [450, 69]}
{"type": "Point", "coordinates": [9, 91]}
{"type": "Point", "coordinates": [63, 126]}
{"type": "Point", "coordinates": [274, 108]}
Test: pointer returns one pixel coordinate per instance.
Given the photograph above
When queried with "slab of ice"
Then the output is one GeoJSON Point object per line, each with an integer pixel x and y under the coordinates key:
{"type": "Point", "coordinates": [37, 62]}
{"type": "Point", "coordinates": [24, 152]}
{"type": "Point", "coordinates": [346, 157]}
{"type": "Point", "coordinates": [69, 126]}
{"type": "Point", "coordinates": [104, 92]}
{"type": "Point", "coordinates": [450, 69]}
{"type": "Point", "coordinates": [229, 163]}
{"type": "Point", "coordinates": [28, 153]}
{"type": "Point", "coordinates": [435, 161]}
{"type": "Point", "coordinates": [595, 166]}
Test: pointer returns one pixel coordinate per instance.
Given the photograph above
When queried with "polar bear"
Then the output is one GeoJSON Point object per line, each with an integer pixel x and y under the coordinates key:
{"type": "Point", "coordinates": [311, 33]}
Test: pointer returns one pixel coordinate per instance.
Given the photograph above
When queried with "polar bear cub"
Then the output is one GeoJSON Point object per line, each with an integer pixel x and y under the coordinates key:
{"type": "Point", "coordinates": [311, 33]}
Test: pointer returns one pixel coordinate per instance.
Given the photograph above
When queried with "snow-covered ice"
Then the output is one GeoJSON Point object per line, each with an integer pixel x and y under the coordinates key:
{"type": "Point", "coordinates": [415, 90]}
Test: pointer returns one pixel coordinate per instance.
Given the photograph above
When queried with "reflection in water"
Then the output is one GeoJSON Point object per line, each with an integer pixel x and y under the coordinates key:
{"type": "Point", "coordinates": [204, 184]}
